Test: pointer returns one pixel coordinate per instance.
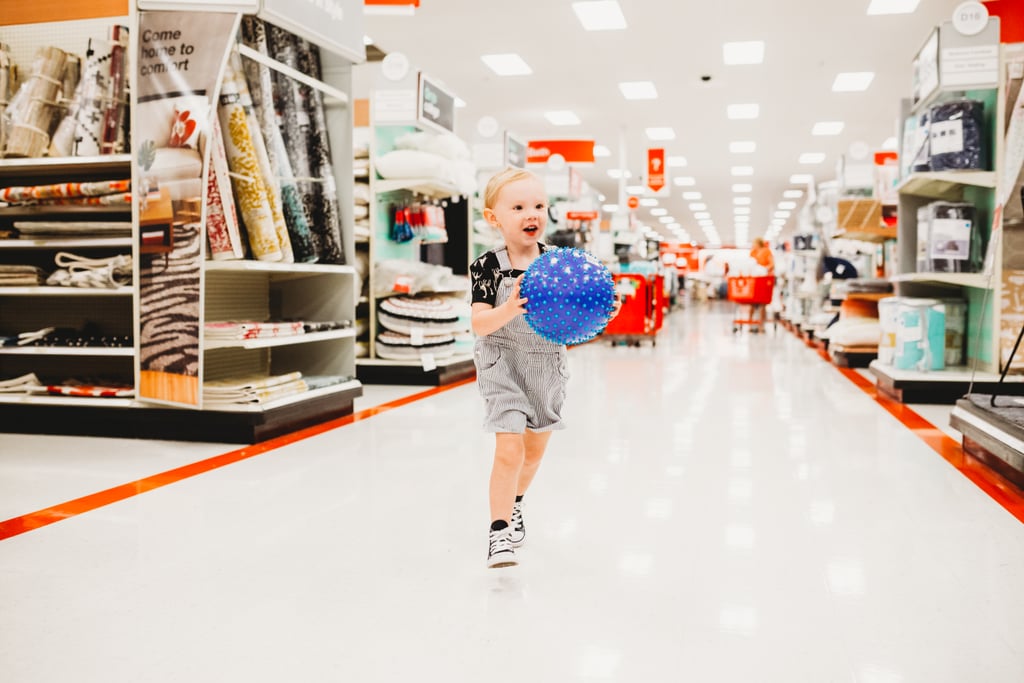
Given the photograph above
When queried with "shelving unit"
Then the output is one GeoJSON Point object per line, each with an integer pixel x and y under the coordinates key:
{"type": "Point", "coordinates": [228, 290]}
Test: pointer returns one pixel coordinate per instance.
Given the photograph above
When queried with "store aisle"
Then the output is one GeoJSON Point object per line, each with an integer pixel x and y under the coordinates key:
{"type": "Point", "coordinates": [723, 508]}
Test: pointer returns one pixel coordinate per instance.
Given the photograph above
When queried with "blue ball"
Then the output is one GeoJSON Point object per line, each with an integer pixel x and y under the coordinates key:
{"type": "Point", "coordinates": [570, 296]}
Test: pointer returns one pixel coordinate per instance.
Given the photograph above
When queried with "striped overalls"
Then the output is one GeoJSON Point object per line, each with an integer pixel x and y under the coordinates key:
{"type": "Point", "coordinates": [521, 375]}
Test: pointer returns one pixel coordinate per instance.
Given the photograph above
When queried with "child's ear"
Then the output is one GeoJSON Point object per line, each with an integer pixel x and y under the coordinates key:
{"type": "Point", "coordinates": [490, 217]}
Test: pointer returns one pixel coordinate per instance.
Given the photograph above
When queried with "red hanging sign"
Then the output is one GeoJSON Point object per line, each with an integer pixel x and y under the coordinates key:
{"type": "Point", "coordinates": [573, 151]}
{"type": "Point", "coordinates": [655, 169]}
{"type": "Point", "coordinates": [633, 202]}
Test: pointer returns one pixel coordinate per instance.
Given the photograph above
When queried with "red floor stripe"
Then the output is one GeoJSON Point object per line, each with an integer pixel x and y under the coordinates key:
{"type": "Point", "coordinates": [36, 520]}
{"type": "Point", "coordinates": [1000, 490]}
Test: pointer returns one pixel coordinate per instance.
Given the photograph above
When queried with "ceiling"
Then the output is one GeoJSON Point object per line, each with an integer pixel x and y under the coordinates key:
{"type": "Point", "coordinates": [673, 43]}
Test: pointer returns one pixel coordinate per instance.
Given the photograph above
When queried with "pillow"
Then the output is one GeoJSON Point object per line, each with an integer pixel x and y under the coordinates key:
{"type": "Point", "coordinates": [410, 163]}
{"type": "Point", "coordinates": [176, 163]}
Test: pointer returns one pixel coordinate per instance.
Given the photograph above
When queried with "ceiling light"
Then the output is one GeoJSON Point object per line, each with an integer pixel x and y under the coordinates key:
{"type": "Point", "coordinates": [749, 52]}
{"type": "Point", "coordinates": [701, 215]}
{"type": "Point", "coordinates": [665, 220]}
{"type": "Point", "coordinates": [812, 157]}
{"type": "Point", "coordinates": [741, 219]}
{"type": "Point", "coordinates": [742, 187]}
{"type": "Point", "coordinates": [705, 222]}
{"type": "Point", "coordinates": [635, 189]}
{"type": "Point", "coordinates": [801, 178]}
{"type": "Point", "coordinates": [684, 181]}
{"type": "Point", "coordinates": [660, 134]}
{"type": "Point", "coordinates": [787, 205]}
{"type": "Point", "coordinates": [562, 117]}
{"type": "Point", "coordinates": [610, 208]}
{"type": "Point", "coordinates": [459, 102]}
{"type": "Point", "coordinates": [742, 170]}
{"type": "Point", "coordinates": [601, 197]}
{"type": "Point", "coordinates": [827, 128]}
{"type": "Point", "coordinates": [853, 81]}
{"type": "Point", "coordinates": [778, 221]}
{"type": "Point", "coordinates": [743, 147]}
{"type": "Point", "coordinates": [675, 162]}
{"type": "Point", "coordinates": [605, 15]}
{"type": "Point", "coordinates": [659, 212]}
{"type": "Point", "coordinates": [741, 201]}
{"type": "Point", "coordinates": [692, 195]}
{"type": "Point", "coordinates": [638, 90]}
{"type": "Point", "coordinates": [890, 143]}
{"type": "Point", "coordinates": [509, 64]}
{"type": "Point", "coordinates": [781, 214]}
{"type": "Point", "coordinates": [793, 194]}
{"type": "Point", "coordinates": [602, 151]}
{"type": "Point", "coordinates": [743, 111]}
{"type": "Point", "coordinates": [648, 201]}
{"type": "Point", "coordinates": [619, 173]}
{"type": "Point", "coordinates": [741, 210]}
{"type": "Point", "coordinates": [892, 6]}
{"type": "Point", "coordinates": [698, 206]}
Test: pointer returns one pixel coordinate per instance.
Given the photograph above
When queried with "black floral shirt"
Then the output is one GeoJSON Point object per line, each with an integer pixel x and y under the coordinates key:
{"type": "Point", "coordinates": [485, 276]}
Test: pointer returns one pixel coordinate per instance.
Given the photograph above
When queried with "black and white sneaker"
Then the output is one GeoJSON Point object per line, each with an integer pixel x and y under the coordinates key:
{"type": "Point", "coordinates": [517, 533]}
{"type": "Point", "coordinates": [500, 552]}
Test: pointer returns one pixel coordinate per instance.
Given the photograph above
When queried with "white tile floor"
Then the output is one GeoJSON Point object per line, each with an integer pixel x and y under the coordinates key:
{"type": "Point", "coordinates": [722, 509]}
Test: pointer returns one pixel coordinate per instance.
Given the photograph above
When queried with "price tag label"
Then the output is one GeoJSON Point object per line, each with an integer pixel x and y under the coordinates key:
{"type": "Point", "coordinates": [428, 362]}
{"type": "Point", "coordinates": [417, 336]}
{"type": "Point", "coordinates": [403, 284]}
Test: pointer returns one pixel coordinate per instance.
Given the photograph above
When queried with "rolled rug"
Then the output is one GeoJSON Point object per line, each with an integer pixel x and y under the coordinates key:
{"type": "Point", "coordinates": [221, 218]}
{"type": "Point", "coordinates": [79, 133]}
{"type": "Point", "coordinates": [33, 109]}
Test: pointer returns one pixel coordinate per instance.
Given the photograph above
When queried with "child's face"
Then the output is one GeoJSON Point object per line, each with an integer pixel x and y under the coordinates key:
{"type": "Point", "coordinates": [520, 212]}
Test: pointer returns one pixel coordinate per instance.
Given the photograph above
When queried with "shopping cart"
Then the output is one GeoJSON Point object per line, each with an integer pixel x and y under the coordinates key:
{"type": "Point", "coordinates": [748, 293]}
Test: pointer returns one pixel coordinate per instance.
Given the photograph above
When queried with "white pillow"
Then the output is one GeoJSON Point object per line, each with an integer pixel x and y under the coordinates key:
{"type": "Point", "coordinates": [856, 332]}
{"type": "Point", "coordinates": [410, 163]}
{"type": "Point", "coordinates": [176, 163]}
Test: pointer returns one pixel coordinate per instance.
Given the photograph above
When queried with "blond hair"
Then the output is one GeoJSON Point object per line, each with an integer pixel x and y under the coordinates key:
{"type": "Point", "coordinates": [500, 180]}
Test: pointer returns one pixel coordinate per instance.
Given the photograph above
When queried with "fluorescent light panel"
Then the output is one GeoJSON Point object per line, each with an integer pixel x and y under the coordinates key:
{"type": "Point", "coordinates": [684, 181]}
{"type": "Point", "coordinates": [812, 157]}
{"type": "Point", "coordinates": [793, 194]}
{"type": "Point", "coordinates": [610, 208]}
{"type": "Point", "coordinates": [747, 52]}
{"type": "Point", "coordinates": [507, 64]}
{"type": "Point", "coordinates": [801, 178]}
{"type": "Point", "coordinates": [605, 15]}
{"type": "Point", "coordinates": [692, 195]}
{"type": "Point", "coordinates": [648, 201]}
{"type": "Point", "coordinates": [562, 117]}
{"type": "Point", "coordinates": [853, 81]}
{"type": "Point", "coordinates": [741, 210]}
{"type": "Point", "coordinates": [601, 151]}
{"type": "Point", "coordinates": [742, 187]}
{"type": "Point", "coordinates": [635, 189]}
{"type": "Point", "coordinates": [742, 170]}
{"type": "Point", "coordinates": [787, 205]}
{"type": "Point", "coordinates": [743, 147]}
{"type": "Point", "coordinates": [701, 215]}
{"type": "Point", "coordinates": [638, 90]}
{"type": "Point", "coordinates": [741, 201]}
{"type": "Point", "coordinates": [663, 133]}
{"type": "Point", "coordinates": [698, 206]}
{"type": "Point", "coordinates": [675, 162]}
{"type": "Point", "coordinates": [743, 111]}
{"type": "Point", "coordinates": [665, 220]}
{"type": "Point", "coordinates": [619, 173]}
{"type": "Point", "coordinates": [659, 212]}
{"type": "Point", "coordinates": [827, 128]}
{"type": "Point", "coordinates": [892, 6]}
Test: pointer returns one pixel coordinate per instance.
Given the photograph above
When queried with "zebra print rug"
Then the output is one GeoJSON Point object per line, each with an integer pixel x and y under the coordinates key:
{"type": "Point", "coordinates": [169, 306]}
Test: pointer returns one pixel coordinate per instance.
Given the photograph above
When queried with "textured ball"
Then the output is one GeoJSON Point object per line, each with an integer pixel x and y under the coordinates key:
{"type": "Point", "coordinates": [570, 296]}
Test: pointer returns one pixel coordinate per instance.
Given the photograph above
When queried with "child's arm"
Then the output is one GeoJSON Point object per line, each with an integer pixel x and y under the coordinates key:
{"type": "Point", "coordinates": [487, 318]}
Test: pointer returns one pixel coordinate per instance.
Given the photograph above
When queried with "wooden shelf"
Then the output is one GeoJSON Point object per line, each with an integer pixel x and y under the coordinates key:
{"type": "Point", "coordinates": [20, 170]}
{"type": "Point", "coordinates": [945, 184]}
{"type": "Point", "coordinates": [866, 234]}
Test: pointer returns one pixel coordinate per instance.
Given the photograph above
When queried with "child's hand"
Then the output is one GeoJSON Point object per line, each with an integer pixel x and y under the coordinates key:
{"type": "Point", "coordinates": [515, 303]}
{"type": "Point", "coordinates": [615, 309]}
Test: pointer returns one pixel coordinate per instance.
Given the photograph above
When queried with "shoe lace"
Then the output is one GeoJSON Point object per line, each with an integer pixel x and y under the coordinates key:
{"type": "Point", "coordinates": [499, 542]}
{"type": "Point", "coordinates": [517, 517]}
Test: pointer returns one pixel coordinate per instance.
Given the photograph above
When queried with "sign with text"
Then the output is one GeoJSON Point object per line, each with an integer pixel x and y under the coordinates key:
{"type": "Point", "coordinates": [656, 168]}
{"type": "Point", "coordinates": [581, 215]}
{"type": "Point", "coordinates": [435, 106]}
{"type": "Point", "coordinates": [335, 25]}
{"type": "Point", "coordinates": [515, 151]}
{"type": "Point", "coordinates": [573, 151]}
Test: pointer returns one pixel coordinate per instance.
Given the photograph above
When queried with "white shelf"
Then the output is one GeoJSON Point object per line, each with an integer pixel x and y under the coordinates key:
{"type": "Point", "coordinates": [428, 187]}
{"type": "Point", "coordinates": [976, 280]}
{"type": "Point", "coordinates": [18, 169]}
{"type": "Point", "coordinates": [413, 363]}
{"type": "Point", "coordinates": [288, 400]}
{"type": "Point", "coordinates": [47, 400]}
{"type": "Point", "coordinates": [950, 374]}
{"type": "Point", "coordinates": [65, 243]}
{"type": "Point", "coordinates": [115, 351]}
{"type": "Point", "coordinates": [279, 341]}
{"type": "Point", "coordinates": [66, 291]}
{"type": "Point", "coordinates": [945, 184]}
{"type": "Point", "coordinates": [280, 271]}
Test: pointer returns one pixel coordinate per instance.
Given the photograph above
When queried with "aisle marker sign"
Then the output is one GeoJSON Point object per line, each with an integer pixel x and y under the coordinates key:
{"type": "Point", "coordinates": [656, 169]}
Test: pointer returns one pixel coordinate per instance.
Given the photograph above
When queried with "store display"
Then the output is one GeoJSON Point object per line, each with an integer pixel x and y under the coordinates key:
{"type": "Point", "coordinates": [947, 242]}
{"type": "Point", "coordinates": [34, 108]}
{"type": "Point", "coordinates": [13, 275]}
{"type": "Point", "coordinates": [427, 315]}
{"type": "Point", "coordinates": [222, 229]}
{"type": "Point", "coordinates": [920, 335]}
{"type": "Point", "coordinates": [101, 273]}
{"type": "Point", "coordinates": [921, 146]}
{"type": "Point", "coordinates": [887, 309]}
{"type": "Point", "coordinates": [956, 133]}
{"type": "Point", "coordinates": [63, 190]}
{"type": "Point", "coordinates": [396, 346]}
{"type": "Point", "coordinates": [571, 296]}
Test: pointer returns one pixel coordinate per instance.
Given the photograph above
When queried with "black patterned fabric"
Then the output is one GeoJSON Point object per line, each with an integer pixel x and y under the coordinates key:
{"type": "Point", "coordinates": [957, 136]}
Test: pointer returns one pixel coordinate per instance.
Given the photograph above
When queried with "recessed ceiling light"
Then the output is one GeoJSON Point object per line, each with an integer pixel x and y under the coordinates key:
{"type": "Point", "coordinates": [793, 194]}
{"type": "Point", "coordinates": [602, 151]}
{"type": "Point", "coordinates": [741, 201]}
{"type": "Point", "coordinates": [698, 206]}
{"type": "Point", "coordinates": [648, 201]}
{"type": "Point", "coordinates": [782, 214]}
{"type": "Point", "coordinates": [743, 147]}
{"type": "Point", "coordinates": [666, 220]}
{"type": "Point", "coordinates": [812, 157]}
{"type": "Point", "coordinates": [619, 173]}
{"type": "Point", "coordinates": [705, 222]}
{"type": "Point", "coordinates": [853, 81]}
{"type": "Point", "coordinates": [610, 208]}
{"type": "Point", "coordinates": [743, 111]}
{"type": "Point", "coordinates": [741, 210]}
{"type": "Point", "coordinates": [892, 6]}
{"type": "Point", "coordinates": [741, 220]}
{"type": "Point", "coordinates": [635, 189]}
{"type": "Point", "coordinates": [659, 212]}
{"type": "Point", "coordinates": [890, 143]}
{"type": "Point", "coordinates": [660, 134]}
{"type": "Point", "coordinates": [692, 195]}
{"type": "Point", "coordinates": [801, 178]}
{"type": "Point", "coordinates": [638, 90]}
{"type": "Point", "coordinates": [787, 205]}
{"type": "Point", "coordinates": [605, 15]}
{"type": "Point", "coordinates": [827, 128]}
{"type": "Point", "coordinates": [742, 187]}
{"type": "Point", "coordinates": [749, 52]}
{"type": "Point", "coordinates": [684, 181]}
{"type": "Point", "coordinates": [778, 221]}
{"type": "Point", "coordinates": [675, 162]}
{"type": "Point", "coordinates": [509, 64]}
{"type": "Point", "coordinates": [701, 215]}
{"type": "Point", "coordinates": [562, 117]}
{"type": "Point", "coordinates": [742, 170]}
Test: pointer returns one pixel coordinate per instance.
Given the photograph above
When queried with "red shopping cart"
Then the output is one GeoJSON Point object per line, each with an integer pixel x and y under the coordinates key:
{"type": "Point", "coordinates": [750, 293]}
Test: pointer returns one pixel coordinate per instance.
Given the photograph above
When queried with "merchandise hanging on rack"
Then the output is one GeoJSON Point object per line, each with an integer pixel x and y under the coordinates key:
{"type": "Point", "coordinates": [418, 220]}
{"type": "Point", "coordinates": [222, 228]}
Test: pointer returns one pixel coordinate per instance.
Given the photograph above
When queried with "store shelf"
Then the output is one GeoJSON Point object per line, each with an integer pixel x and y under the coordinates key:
{"type": "Point", "coordinates": [279, 341]}
{"type": "Point", "coordinates": [448, 370]}
{"type": "Point", "coordinates": [118, 351]}
{"type": "Point", "coordinates": [976, 280]}
{"type": "Point", "coordinates": [343, 388]}
{"type": "Point", "coordinates": [66, 291]}
{"type": "Point", "coordinates": [19, 170]}
{"type": "Point", "coordinates": [435, 189]}
{"type": "Point", "coordinates": [63, 243]}
{"type": "Point", "coordinates": [77, 401]}
{"type": "Point", "coordinates": [278, 271]}
{"type": "Point", "coordinates": [92, 210]}
{"type": "Point", "coordinates": [865, 234]}
{"type": "Point", "coordinates": [940, 386]}
{"type": "Point", "coordinates": [945, 184]}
